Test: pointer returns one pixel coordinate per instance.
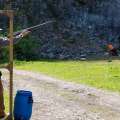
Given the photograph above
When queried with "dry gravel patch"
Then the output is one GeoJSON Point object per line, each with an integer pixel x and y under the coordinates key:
{"type": "Point", "coordinates": [58, 100]}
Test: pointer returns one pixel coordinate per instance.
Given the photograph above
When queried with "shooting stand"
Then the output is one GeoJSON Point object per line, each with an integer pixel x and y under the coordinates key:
{"type": "Point", "coordinates": [9, 67]}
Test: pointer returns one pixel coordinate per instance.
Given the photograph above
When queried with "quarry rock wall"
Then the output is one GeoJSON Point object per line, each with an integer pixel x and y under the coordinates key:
{"type": "Point", "coordinates": [83, 27]}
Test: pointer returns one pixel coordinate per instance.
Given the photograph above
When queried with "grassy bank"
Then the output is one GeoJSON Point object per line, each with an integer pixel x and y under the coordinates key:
{"type": "Point", "coordinates": [100, 74]}
{"type": "Point", "coordinates": [6, 100]}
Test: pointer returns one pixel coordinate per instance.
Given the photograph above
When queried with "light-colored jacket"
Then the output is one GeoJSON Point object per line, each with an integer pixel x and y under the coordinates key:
{"type": "Point", "coordinates": [4, 41]}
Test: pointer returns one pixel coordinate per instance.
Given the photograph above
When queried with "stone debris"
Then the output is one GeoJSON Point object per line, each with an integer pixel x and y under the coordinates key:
{"type": "Point", "coordinates": [58, 100]}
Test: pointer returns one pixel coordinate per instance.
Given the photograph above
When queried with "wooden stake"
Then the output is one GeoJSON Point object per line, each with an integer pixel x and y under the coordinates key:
{"type": "Point", "coordinates": [11, 63]}
{"type": "Point", "coordinates": [9, 13]}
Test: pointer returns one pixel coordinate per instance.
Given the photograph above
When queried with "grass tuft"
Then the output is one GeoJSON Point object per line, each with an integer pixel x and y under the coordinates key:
{"type": "Point", "coordinates": [100, 74]}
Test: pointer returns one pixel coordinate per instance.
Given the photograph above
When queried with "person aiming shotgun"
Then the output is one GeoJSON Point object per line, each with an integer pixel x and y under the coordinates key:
{"type": "Point", "coordinates": [4, 41]}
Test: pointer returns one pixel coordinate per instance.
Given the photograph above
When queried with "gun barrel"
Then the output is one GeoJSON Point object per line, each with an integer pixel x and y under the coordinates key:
{"type": "Point", "coordinates": [36, 26]}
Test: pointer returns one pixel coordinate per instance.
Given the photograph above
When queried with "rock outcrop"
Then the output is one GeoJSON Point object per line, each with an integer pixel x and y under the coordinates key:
{"type": "Point", "coordinates": [83, 27]}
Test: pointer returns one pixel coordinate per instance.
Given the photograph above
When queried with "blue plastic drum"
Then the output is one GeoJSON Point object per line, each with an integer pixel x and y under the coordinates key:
{"type": "Point", "coordinates": [23, 105]}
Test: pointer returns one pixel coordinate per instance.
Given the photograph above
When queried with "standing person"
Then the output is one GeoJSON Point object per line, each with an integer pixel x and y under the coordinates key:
{"type": "Point", "coordinates": [112, 50]}
{"type": "Point", "coordinates": [4, 41]}
{"type": "Point", "coordinates": [2, 107]}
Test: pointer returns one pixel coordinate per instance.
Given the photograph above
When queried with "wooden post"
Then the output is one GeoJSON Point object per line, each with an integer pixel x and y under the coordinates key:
{"type": "Point", "coordinates": [11, 63]}
{"type": "Point", "coordinates": [9, 13]}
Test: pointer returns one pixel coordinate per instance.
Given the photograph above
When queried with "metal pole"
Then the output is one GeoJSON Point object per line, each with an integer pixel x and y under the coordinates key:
{"type": "Point", "coordinates": [11, 64]}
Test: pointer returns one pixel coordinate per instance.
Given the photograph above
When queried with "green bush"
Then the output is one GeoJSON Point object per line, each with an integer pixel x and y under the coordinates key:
{"type": "Point", "coordinates": [4, 55]}
{"type": "Point", "coordinates": [26, 49]}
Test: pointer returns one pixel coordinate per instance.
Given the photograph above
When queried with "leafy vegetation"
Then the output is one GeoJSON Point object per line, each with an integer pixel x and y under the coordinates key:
{"type": "Point", "coordinates": [6, 96]}
{"type": "Point", "coordinates": [100, 74]}
{"type": "Point", "coordinates": [4, 54]}
{"type": "Point", "coordinates": [26, 49]}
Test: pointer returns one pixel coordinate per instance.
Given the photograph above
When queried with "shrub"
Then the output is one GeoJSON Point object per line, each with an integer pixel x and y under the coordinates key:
{"type": "Point", "coordinates": [27, 49]}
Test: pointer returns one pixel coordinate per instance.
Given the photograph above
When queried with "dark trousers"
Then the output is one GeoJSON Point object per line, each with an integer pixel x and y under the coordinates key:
{"type": "Point", "coordinates": [2, 108]}
{"type": "Point", "coordinates": [114, 52]}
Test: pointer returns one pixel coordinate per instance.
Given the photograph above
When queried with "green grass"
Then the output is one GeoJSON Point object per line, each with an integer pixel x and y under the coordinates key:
{"type": "Point", "coordinates": [100, 74]}
{"type": "Point", "coordinates": [6, 100]}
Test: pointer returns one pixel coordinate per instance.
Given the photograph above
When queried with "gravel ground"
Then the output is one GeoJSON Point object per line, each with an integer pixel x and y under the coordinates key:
{"type": "Point", "coordinates": [58, 100]}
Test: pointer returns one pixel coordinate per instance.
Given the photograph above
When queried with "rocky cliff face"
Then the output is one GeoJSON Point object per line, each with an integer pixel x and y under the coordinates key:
{"type": "Point", "coordinates": [83, 27]}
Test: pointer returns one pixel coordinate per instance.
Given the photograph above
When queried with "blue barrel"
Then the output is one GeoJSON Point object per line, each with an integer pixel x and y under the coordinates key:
{"type": "Point", "coordinates": [23, 105]}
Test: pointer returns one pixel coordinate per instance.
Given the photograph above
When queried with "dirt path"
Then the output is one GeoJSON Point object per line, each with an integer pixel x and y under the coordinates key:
{"type": "Point", "coordinates": [59, 100]}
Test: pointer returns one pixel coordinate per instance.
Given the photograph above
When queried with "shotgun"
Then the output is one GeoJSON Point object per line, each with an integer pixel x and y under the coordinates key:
{"type": "Point", "coordinates": [30, 29]}
{"type": "Point", "coordinates": [4, 41]}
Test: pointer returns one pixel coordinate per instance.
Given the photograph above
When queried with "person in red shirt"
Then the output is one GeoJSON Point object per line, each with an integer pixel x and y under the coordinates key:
{"type": "Point", "coordinates": [112, 50]}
